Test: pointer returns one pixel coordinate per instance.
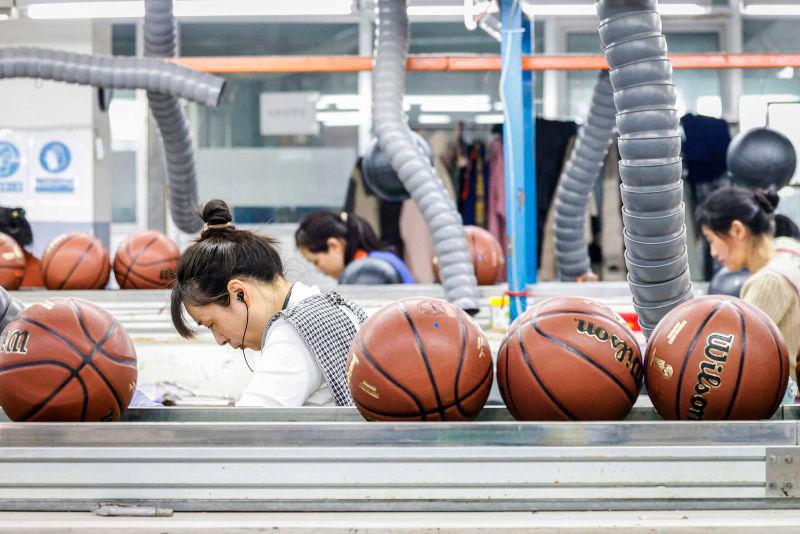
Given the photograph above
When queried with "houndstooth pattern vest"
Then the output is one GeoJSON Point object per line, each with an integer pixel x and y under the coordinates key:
{"type": "Point", "coordinates": [327, 332]}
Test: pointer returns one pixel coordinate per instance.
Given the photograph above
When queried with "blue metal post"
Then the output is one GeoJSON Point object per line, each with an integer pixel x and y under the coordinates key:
{"type": "Point", "coordinates": [514, 148]}
{"type": "Point", "coordinates": [529, 122]}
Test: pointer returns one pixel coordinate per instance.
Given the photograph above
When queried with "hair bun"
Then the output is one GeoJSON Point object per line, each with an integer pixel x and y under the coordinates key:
{"type": "Point", "coordinates": [216, 212]}
{"type": "Point", "coordinates": [767, 199]}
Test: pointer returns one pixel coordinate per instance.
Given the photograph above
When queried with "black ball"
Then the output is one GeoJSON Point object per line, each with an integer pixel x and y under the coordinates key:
{"type": "Point", "coordinates": [725, 282]}
{"type": "Point", "coordinates": [370, 271]}
{"type": "Point", "coordinates": [762, 157]}
{"type": "Point", "coordinates": [379, 176]}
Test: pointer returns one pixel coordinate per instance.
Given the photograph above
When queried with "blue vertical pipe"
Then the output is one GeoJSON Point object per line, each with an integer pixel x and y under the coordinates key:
{"type": "Point", "coordinates": [511, 89]}
{"type": "Point", "coordinates": [529, 122]}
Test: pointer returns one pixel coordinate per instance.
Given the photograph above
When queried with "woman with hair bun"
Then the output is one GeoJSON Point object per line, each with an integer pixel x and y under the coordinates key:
{"type": "Point", "coordinates": [231, 281]}
{"type": "Point", "coordinates": [743, 231]}
{"type": "Point", "coordinates": [346, 247]}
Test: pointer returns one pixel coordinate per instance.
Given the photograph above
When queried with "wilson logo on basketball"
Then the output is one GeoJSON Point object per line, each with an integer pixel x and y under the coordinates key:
{"type": "Point", "coordinates": [14, 342]}
{"type": "Point", "coordinates": [431, 309]}
{"type": "Point", "coordinates": [717, 348]}
{"type": "Point", "coordinates": [166, 274]}
{"type": "Point", "coordinates": [622, 352]}
{"type": "Point", "coordinates": [369, 389]}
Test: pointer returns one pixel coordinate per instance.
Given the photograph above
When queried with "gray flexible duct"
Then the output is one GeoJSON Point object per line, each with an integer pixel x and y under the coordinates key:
{"type": "Point", "coordinates": [414, 170]}
{"type": "Point", "coordinates": [160, 40]}
{"type": "Point", "coordinates": [111, 73]}
{"type": "Point", "coordinates": [578, 180]}
{"type": "Point", "coordinates": [653, 214]}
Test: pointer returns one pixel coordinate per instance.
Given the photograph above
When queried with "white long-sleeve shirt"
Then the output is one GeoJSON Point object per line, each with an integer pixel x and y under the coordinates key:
{"type": "Point", "coordinates": [287, 374]}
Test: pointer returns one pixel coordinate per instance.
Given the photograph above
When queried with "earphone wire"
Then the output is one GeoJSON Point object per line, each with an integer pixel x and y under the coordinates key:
{"type": "Point", "coordinates": [247, 322]}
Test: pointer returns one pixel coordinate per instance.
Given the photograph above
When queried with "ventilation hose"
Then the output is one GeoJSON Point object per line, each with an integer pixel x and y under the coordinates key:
{"type": "Point", "coordinates": [578, 180]}
{"type": "Point", "coordinates": [414, 170]}
{"type": "Point", "coordinates": [160, 40]}
{"type": "Point", "coordinates": [647, 119]}
{"type": "Point", "coordinates": [111, 72]}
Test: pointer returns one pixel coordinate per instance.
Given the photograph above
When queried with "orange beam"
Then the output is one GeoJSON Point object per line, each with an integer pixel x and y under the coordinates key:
{"type": "Point", "coordinates": [435, 63]}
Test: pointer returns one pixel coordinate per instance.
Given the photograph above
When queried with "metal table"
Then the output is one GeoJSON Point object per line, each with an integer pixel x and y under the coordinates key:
{"type": "Point", "coordinates": [328, 459]}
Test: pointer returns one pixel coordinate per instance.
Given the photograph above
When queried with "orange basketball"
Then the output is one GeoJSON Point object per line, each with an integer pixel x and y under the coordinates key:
{"type": "Point", "coordinates": [420, 359]}
{"type": "Point", "coordinates": [12, 263]}
{"type": "Point", "coordinates": [569, 359]}
{"type": "Point", "coordinates": [75, 261]}
{"type": "Point", "coordinates": [716, 357]}
{"type": "Point", "coordinates": [486, 253]}
{"type": "Point", "coordinates": [146, 261]}
{"type": "Point", "coordinates": [66, 360]}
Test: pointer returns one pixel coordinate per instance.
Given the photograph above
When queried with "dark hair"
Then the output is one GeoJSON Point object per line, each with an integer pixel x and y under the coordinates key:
{"type": "Point", "coordinates": [14, 224]}
{"type": "Point", "coordinates": [752, 207]}
{"type": "Point", "coordinates": [316, 228]}
{"type": "Point", "coordinates": [220, 253]}
{"type": "Point", "coordinates": [785, 227]}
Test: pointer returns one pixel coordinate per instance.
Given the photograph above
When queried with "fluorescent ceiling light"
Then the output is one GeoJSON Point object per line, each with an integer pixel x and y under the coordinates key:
{"type": "Point", "coordinates": [578, 10]}
{"type": "Point", "coordinates": [772, 10]}
{"type": "Point", "coordinates": [427, 118]}
{"type": "Point", "coordinates": [421, 100]}
{"type": "Point", "coordinates": [189, 8]}
{"type": "Point", "coordinates": [491, 118]}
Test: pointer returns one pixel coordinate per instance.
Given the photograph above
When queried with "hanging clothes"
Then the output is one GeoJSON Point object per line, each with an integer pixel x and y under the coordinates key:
{"type": "Point", "coordinates": [475, 184]}
{"type": "Point", "coordinates": [552, 142]}
{"type": "Point", "coordinates": [383, 216]}
{"type": "Point", "coordinates": [705, 147]}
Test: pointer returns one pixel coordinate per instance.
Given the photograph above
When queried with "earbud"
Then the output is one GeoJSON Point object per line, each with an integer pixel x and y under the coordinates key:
{"type": "Point", "coordinates": [240, 296]}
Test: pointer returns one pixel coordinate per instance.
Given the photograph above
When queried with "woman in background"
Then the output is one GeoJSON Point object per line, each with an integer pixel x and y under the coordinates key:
{"type": "Point", "coordinates": [744, 232]}
{"type": "Point", "coordinates": [333, 242]}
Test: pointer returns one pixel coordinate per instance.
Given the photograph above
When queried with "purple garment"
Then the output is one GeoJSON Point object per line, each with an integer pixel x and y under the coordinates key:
{"type": "Point", "coordinates": [395, 262]}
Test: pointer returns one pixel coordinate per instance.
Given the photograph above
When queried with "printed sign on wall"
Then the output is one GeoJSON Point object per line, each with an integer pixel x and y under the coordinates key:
{"type": "Point", "coordinates": [14, 149]}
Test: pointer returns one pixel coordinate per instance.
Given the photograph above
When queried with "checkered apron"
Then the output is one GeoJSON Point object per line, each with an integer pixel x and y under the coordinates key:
{"type": "Point", "coordinates": [327, 332]}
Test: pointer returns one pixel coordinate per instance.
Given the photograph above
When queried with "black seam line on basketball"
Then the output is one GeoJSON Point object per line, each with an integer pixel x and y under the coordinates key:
{"type": "Point", "coordinates": [44, 402]}
{"type": "Point", "coordinates": [156, 262]}
{"type": "Point", "coordinates": [71, 346]}
{"type": "Point", "coordinates": [75, 265]}
{"type": "Point", "coordinates": [462, 329]}
{"type": "Point", "coordinates": [104, 264]}
{"type": "Point", "coordinates": [547, 392]}
{"type": "Point", "coordinates": [130, 263]}
{"type": "Point", "coordinates": [145, 278]}
{"type": "Point", "coordinates": [781, 388]}
{"type": "Point", "coordinates": [37, 363]}
{"type": "Point", "coordinates": [138, 254]}
{"type": "Point", "coordinates": [686, 358]}
{"type": "Point", "coordinates": [85, 406]}
{"type": "Point", "coordinates": [387, 376]}
{"type": "Point", "coordinates": [588, 359]}
{"type": "Point", "coordinates": [432, 411]}
{"type": "Point", "coordinates": [98, 344]}
{"type": "Point", "coordinates": [581, 312]}
{"type": "Point", "coordinates": [743, 352]}
{"type": "Point", "coordinates": [44, 267]}
{"type": "Point", "coordinates": [510, 400]}
{"type": "Point", "coordinates": [424, 358]}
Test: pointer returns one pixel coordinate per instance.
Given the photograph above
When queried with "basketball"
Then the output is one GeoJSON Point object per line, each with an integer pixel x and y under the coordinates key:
{"type": "Point", "coordinates": [569, 359]}
{"type": "Point", "coordinates": [716, 357]}
{"type": "Point", "coordinates": [12, 263]}
{"type": "Point", "coordinates": [146, 261]}
{"type": "Point", "coordinates": [487, 256]}
{"type": "Point", "coordinates": [66, 360]}
{"type": "Point", "coordinates": [75, 261]}
{"type": "Point", "coordinates": [420, 359]}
